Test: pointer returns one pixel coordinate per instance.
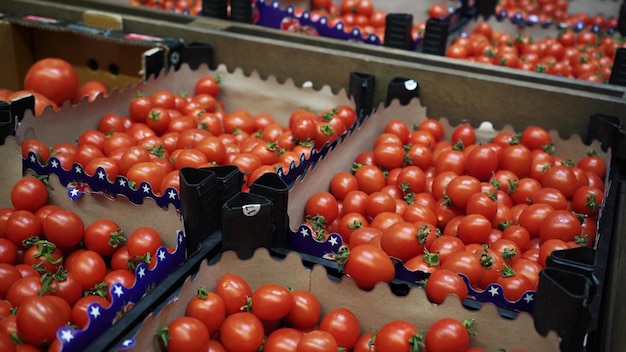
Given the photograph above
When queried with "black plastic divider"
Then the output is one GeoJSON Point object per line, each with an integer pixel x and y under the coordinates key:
{"type": "Point", "coordinates": [398, 31]}
{"type": "Point", "coordinates": [241, 11]}
{"type": "Point", "coordinates": [6, 124]}
{"type": "Point", "coordinates": [486, 8]}
{"type": "Point", "coordinates": [618, 73]}
{"type": "Point", "coordinates": [11, 113]}
{"type": "Point", "coordinates": [215, 8]}
{"type": "Point", "coordinates": [195, 54]}
{"type": "Point", "coordinates": [621, 19]}
{"type": "Point", "coordinates": [158, 296]}
{"type": "Point", "coordinates": [403, 89]}
{"type": "Point", "coordinates": [436, 37]}
{"type": "Point", "coordinates": [361, 89]}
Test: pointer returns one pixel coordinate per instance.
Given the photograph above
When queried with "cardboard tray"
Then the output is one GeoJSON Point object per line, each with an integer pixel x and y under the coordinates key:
{"type": "Point", "coordinates": [237, 91]}
{"type": "Point", "coordinates": [493, 331]}
{"type": "Point", "coordinates": [129, 216]}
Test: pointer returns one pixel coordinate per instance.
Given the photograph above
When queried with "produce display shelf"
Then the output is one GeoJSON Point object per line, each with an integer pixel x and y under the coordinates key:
{"type": "Point", "coordinates": [446, 88]}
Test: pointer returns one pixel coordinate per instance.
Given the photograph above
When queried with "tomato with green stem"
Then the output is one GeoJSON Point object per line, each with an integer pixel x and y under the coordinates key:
{"type": "Point", "coordinates": [242, 331]}
{"type": "Point", "coordinates": [398, 335]}
{"type": "Point", "coordinates": [366, 264]}
{"type": "Point", "coordinates": [184, 334]}
{"type": "Point", "coordinates": [442, 283]}
{"type": "Point", "coordinates": [29, 193]}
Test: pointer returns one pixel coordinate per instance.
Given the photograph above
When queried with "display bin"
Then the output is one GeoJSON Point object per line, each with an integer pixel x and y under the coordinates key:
{"type": "Point", "coordinates": [166, 221]}
{"type": "Point", "coordinates": [407, 56]}
{"type": "Point", "coordinates": [105, 51]}
{"type": "Point", "coordinates": [456, 91]}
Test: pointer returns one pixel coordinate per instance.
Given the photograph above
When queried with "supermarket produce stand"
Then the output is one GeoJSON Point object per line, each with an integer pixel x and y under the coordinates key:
{"type": "Point", "coordinates": [456, 90]}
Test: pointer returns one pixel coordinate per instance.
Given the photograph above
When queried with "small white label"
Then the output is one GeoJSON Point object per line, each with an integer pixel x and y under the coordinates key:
{"type": "Point", "coordinates": [251, 209]}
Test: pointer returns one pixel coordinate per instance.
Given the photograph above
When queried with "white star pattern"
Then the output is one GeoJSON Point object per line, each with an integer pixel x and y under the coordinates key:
{"type": "Point", "coordinates": [74, 192]}
{"type": "Point", "coordinates": [78, 169]}
{"type": "Point", "coordinates": [101, 175]}
{"type": "Point", "coordinates": [304, 232]}
{"type": "Point", "coordinates": [95, 312]}
{"type": "Point", "coordinates": [172, 194]}
{"type": "Point", "coordinates": [494, 291]}
{"type": "Point", "coordinates": [33, 159]}
{"type": "Point", "coordinates": [528, 298]}
{"type": "Point", "coordinates": [146, 189]}
{"type": "Point", "coordinates": [54, 164]}
{"type": "Point", "coordinates": [117, 289]}
{"type": "Point", "coordinates": [122, 182]}
{"type": "Point", "coordinates": [142, 272]}
{"type": "Point", "coordinates": [161, 255]}
{"type": "Point", "coordinates": [127, 343]}
{"type": "Point", "coordinates": [333, 240]}
{"type": "Point", "coordinates": [67, 335]}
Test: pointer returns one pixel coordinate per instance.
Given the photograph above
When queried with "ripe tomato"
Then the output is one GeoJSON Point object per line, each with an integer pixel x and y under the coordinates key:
{"type": "Point", "coordinates": [587, 200]}
{"type": "Point", "coordinates": [44, 254]}
{"type": "Point", "coordinates": [368, 264]}
{"type": "Point", "coordinates": [442, 283]}
{"type": "Point", "coordinates": [401, 241]}
{"type": "Point", "coordinates": [370, 178]}
{"type": "Point", "coordinates": [514, 285]}
{"type": "Point", "coordinates": [242, 331]}
{"type": "Point", "coordinates": [54, 78]}
{"type": "Point", "coordinates": [38, 320]}
{"type": "Point", "coordinates": [234, 291]}
{"type": "Point", "coordinates": [207, 85]}
{"type": "Point", "coordinates": [89, 268]}
{"type": "Point", "coordinates": [461, 188]}
{"type": "Point", "coordinates": [21, 225]}
{"type": "Point", "coordinates": [482, 162]}
{"type": "Point", "coordinates": [64, 228]}
{"type": "Point", "coordinates": [306, 309]}
{"type": "Point", "coordinates": [185, 334]}
{"type": "Point", "coordinates": [271, 302]}
{"type": "Point", "coordinates": [322, 204]}
{"type": "Point", "coordinates": [121, 276]}
{"type": "Point", "coordinates": [535, 137]}
{"type": "Point", "coordinates": [447, 334]}
{"type": "Point", "coordinates": [343, 325]}
{"type": "Point", "coordinates": [103, 236]}
{"type": "Point", "coordinates": [466, 263]}
{"type": "Point", "coordinates": [395, 335]}
{"type": "Point", "coordinates": [29, 193]}
{"type": "Point", "coordinates": [283, 340]}
{"type": "Point", "coordinates": [560, 177]}
{"type": "Point", "coordinates": [143, 243]}
{"type": "Point", "coordinates": [148, 172]}
{"type": "Point", "coordinates": [533, 216]}
{"type": "Point", "coordinates": [560, 224]}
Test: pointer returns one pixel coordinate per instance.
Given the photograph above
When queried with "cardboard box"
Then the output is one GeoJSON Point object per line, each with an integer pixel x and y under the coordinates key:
{"type": "Point", "coordinates": [493, 331]}
{"type": "Point", "coordinates": [341, 159]}
{"type": "Point", "coordinates": [295, 16]}
{"type": "Point", "coordinates": [98, 50]}
{"type": "Point", "coordinates": [238, 90]}
{"type": "Point", "coordinates": [129, 217]}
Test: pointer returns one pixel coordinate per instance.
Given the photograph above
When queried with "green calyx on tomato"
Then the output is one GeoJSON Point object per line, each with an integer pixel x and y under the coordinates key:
{"type": "Point", "coordinates": [431, 259]}
{"type": "Point", "coordinates": [507, 271]}
{"type": "Point", "coordinates": [417, 343]}
{"type": "Point", "coordinates": [341, 257]}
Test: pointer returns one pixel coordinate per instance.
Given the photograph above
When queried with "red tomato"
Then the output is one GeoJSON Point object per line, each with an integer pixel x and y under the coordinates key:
{"type": "Point", "coordinates": [283, 340]}
{"type": "Point", "coordinates": [208, 85]}
{"type": "Point", "coordinates": [466, 263]}
{"type": "Point", "coordinates": [343, 325]}
{"type": "Point", "coordinates": [482, 162]}
{"type": "Point", "coordinates": [8, 251]}
{"type": "Point", "coordinates": [39, 148]}
{"type": "Point", "coordinates": [401, 241]}
{"type": "Point", "coordinates": [121, 276]}
{"type": "Point", "coordinates": [21, 225]}
{"type": "Point", "coordinates": [89, 268]}
{"type": "Point", "coordinates": [103, 236]}
{"type": "Point", "coordinates": [322, 204]}
{"type": "Point", "coordinates": [38, 319]}
{"type": "Point", "coordinates": [148, 172]}
{"type": "Point", "coordinates": [395, 335]}
{"type": "Point", "coordinates": [242, 331]}
{"type": "Point", "coordinates": [29, 193]}
{"type": "Point", "coordinates": [560, 224]}
{"type": "Point", "coordinates": [306, 309]}
{"type": "Point", "coordinates": [442, 283]}
{"type": "Point", "coordinates": [514, 285]}
{"type": "Point", "coordinates": [271, 302]}
{"type": "Point", "coordinates": [185, 334]}
{"type": "Point", "coordinates": [64, 228]}
{"type": "Point", "coordinates": [368, 265]}
{"type": "Point", "coordinates": [535, 137]}
{"type": "Point", "coordinates": [447, 334]}
{"type": "Point", "coordinates": [45, 255]}
{"type": "Point", "coordinates": [143, 243]}
{"type": "Point", "coordinates": [234, 291]}
{"type": "Point", "coordinates": [560, 177]}
{"type": "Point", "coordinates": [461, 188]}
{"type": "Point", "coordinates": [54, 78]}
{"type": "Point", "coordinates": [370, 178]}
{"type": "Point", "coordinates": [587, 200]}
{"type": "Point", "coordinates": [533, 216]}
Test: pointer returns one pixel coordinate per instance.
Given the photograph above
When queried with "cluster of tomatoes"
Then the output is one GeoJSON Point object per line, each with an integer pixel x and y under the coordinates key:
{"type": "Point", "coordinates": [584, 55]}
{"type": "Point", "coordinates": [362, 14]}
{"type": "Point", "coordinates": [271, 317]}
{"type": "Point", "coordinates": [544, 11]}
{"type": "Point", "coordinates": [164, 132]}
{"type": "Point", "coordinates": [53, 266]}
{"type": "Point", "coordinates": [190, 7]}
{"type": "Point", "coordinates": [491, 211]}
{"type": "Point", "coordinates": [53, 81]}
